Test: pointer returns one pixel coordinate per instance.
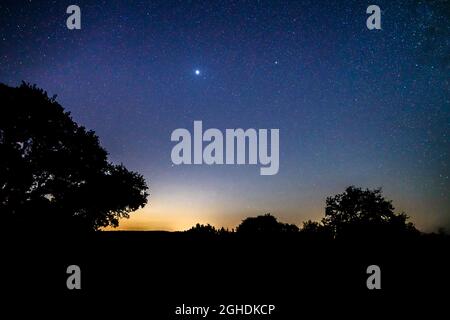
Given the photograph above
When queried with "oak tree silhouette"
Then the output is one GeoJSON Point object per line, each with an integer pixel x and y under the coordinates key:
{"type": "Point", "coordinates": [53, 172]}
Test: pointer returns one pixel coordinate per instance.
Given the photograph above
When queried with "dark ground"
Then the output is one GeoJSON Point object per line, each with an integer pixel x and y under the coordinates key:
{"type": "Point", "coordinates": [150, 273]}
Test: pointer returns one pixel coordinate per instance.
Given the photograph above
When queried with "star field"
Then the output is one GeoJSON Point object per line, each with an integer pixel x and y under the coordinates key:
{"type": "Point", "coordinates": [354, 107]}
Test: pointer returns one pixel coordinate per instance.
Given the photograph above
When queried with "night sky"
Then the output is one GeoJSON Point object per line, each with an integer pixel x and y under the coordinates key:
{"type": "Point", "coordinates": [354, 106]}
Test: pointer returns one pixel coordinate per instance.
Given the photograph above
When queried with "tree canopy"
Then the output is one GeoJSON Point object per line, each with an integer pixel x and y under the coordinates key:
{"type": "Point", "coordinates": [53, 172]}
{"type": "Point", "coordinates": [361, 212]}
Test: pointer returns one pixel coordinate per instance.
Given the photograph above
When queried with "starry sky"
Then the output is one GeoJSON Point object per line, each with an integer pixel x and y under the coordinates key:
{"type": "Point", "coordinates": [354, 106]}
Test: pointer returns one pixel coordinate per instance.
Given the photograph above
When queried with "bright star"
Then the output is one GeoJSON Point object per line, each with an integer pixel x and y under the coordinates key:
{"type": "Point", "coordinates": [197, 72]}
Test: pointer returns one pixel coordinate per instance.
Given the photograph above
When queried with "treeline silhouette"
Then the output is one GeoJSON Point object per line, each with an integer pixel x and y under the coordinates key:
{"type": "Point", "coordinates": [355, 213]}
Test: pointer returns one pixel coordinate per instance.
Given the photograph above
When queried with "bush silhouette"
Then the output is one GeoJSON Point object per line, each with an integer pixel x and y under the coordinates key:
{"type": "Point", "coordinates": [53, 172]}
{"type": "Point", "coordinates": [202, 229]}
{"type": "Point", "coordinates": [266, 224]}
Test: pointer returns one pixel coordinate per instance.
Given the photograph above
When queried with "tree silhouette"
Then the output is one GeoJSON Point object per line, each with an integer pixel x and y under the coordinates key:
{"type": "Point", "coordinates": [202, 229]}
{"type": "Point", "coordinates": [315, 230]}
{"type": "Point", "coordinates": [362, 213]}
{"type": "Point", "coordinates": [265, 224]}
{"type": "Point", "coordinates": [53, 172]}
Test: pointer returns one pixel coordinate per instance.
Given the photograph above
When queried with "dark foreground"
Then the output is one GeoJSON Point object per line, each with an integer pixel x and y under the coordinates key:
{"type": "Point", "coordinates": [147, 275]}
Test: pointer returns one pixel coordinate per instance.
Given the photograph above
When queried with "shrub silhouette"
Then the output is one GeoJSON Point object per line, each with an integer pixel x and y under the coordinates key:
{"type": "Point", "coordinates": [53, 172]}
{"type": "Point", "coordinates": [266, 224]}
{"type": "Point", "coordinates": [202, 229]}
{"type": "Point", "coordinates": [364, 213]}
